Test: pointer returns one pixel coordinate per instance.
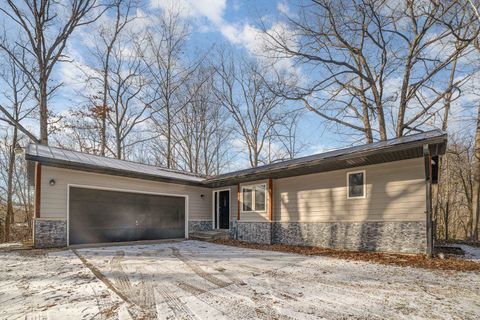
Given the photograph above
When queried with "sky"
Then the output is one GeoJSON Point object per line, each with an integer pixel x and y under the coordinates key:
{"type": "Point", "coordinates": [234, 22]}
{"type": "Point", "coordinates": [213, 22]}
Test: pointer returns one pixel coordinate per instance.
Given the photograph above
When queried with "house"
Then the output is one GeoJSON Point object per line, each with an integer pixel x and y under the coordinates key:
{"type": "Point", "coordinates": [369, 197]}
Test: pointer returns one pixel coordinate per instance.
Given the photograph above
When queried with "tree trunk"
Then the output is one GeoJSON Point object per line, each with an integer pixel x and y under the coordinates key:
{"type": "Point", "coordinates": [9, 218]}
{"type": "Point", "coordinates": [169, 139]}
{"type": "Point", "coordinates": [476, 177]}
{"type": "Point", "coordinates": [43, 110]}
{"type": "Point", "coordinates": [103, 112]}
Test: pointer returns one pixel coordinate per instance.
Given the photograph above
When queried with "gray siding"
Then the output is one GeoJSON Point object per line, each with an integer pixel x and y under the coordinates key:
{"type": "Point", "coordinates": [53, 202]}
{"type": "Point", "coordinates": [395, 191]}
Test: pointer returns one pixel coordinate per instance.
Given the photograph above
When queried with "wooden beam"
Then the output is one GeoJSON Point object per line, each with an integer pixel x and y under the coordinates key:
{"type": "Point", "coordinates": [38, 188]}
{"type": "Point", "coordinates": [238, 201]}
{"type": "Point", "coordinates": [427, 157]}
{"type": "Point", "coordinates": [270, 199]}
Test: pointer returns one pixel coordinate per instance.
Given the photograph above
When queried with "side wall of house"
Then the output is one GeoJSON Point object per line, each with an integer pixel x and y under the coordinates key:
{"type": "Point", "coordinates": [50, 228]}
{"type": "Point", "coordinates": [314, 210]}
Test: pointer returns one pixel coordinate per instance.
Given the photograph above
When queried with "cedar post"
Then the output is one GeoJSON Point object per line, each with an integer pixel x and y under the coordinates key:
{"type": "Point", "coordinates": [238, 202]}
{"type": "Point", "coordinates": [427, 157]}
{"type": "Point", "coordinates": [38, 188]}
{"type": "Point", "coordinates": [270, 199]}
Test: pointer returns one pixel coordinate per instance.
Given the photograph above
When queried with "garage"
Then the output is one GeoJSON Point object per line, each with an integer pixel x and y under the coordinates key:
{"type": "Point", "coordinates": [97, 216]}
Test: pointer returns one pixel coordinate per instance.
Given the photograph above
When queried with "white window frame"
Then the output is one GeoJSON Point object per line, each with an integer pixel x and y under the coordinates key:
{"type": "Point", "coordinates": [364, 184]}
{"type": "Point", "coordinates": [253, 186]}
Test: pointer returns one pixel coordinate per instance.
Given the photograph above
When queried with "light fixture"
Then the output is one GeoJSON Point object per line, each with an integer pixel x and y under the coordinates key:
{"type": "Point", "coordinates": [51, 182]}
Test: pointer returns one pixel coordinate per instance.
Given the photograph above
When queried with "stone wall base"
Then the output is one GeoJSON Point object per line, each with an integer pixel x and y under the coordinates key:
{"type": "Point", "coordinates": [49, 233]}
{"type": "Point", "coordinates": [256, 232]}
{"type": "Point", "coordinates": [406, 237]}
{"type": "Point", "coordinates": [194, 226]}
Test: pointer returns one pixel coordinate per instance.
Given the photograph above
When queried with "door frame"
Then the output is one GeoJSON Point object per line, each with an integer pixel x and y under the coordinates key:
{"type": "Point", "coordinates": [214, 227]}
{"type": "Point", "coordinates": [71, 185]}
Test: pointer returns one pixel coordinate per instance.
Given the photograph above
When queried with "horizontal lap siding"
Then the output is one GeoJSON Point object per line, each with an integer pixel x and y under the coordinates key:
{"type": "Point", "coordinates": [53, 202]}
{"type": "Point", "coordinates": [395, 192]}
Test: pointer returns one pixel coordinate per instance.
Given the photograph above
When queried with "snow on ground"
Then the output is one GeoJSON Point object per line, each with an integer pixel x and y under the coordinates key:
{"type": "Point", "coordinates": [471, 253]}
{"type": "Point", "coordinates": [198, 280]}
{"type": "Point", "coordinates": [11, 245]}
{"type": "Point", "coordinates": [56, 285]}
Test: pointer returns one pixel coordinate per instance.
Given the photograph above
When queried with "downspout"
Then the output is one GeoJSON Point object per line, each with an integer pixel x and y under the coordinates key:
{"type": "Point", "coordinates": [427, 157]}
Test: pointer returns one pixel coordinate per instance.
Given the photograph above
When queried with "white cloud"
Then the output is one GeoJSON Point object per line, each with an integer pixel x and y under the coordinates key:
{"type": "Point", "coordinates": [245, 35]}
{"type": "Point", "coordinates": [213, 10]}
{"type": "Point", "coordinates": [283, 7]}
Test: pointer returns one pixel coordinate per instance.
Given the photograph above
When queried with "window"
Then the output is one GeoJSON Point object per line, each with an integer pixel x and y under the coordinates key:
{"type": "Point", "coordinates": [247, 199]}
{"type": "Point", "coordinates": [254, 198]}
{"type": "Point", "coordinates": [356, 184]}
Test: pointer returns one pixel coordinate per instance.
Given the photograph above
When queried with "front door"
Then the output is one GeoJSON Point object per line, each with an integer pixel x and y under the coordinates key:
{"type": "Point", "coordinates": [224, 209]}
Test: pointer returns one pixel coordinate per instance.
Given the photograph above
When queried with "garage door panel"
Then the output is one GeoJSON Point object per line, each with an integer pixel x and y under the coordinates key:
{"type": "Point", "coordinates": [112, 216]}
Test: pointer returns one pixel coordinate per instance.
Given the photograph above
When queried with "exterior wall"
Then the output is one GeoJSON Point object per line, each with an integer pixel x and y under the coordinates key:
{"type": "Point", "coordinates": [53, 201]}
{"type": "Point", "coordinates": [407, 237]}
{"type": "Point", "coordinates": [314, 210]}
{"type": "Point", "coordinates": [50, 233]}
{"type": "Point", "coordinates": [307, 210]}
{"type": "Point", "coordinates": [256, 232]}
{"type": "Point", "coordinates": [194, 226]}
{"type": "Point", "coordinates": [395, 191]}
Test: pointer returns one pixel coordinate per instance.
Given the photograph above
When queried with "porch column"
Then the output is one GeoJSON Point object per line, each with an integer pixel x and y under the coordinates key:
{"type": "Point", "coordinates": [38, 187]}
{"type": "Point", "coordinates": [427, 157]}
{"type": "Point", "coordinates": [270, 199]}
{"type": "Point", "coordinates": [238, 202]}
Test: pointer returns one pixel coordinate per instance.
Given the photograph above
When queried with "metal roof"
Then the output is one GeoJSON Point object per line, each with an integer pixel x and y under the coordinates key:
{"type": "Point", "coordinates": [406, 147]}
{"type": "Point", "coordinates": [88, 162]}
{"type": "Point", "coordinates": [403, 148]}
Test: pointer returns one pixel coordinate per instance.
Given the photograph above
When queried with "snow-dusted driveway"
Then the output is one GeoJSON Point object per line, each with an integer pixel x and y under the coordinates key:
{"type": "Point", "coordinates": [197, 280]}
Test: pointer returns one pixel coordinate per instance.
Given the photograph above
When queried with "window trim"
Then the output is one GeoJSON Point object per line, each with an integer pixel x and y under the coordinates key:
{"type": "Point", "coordinates": [253, 186]}
{"type": "Point", "coordinates": [364, 184]}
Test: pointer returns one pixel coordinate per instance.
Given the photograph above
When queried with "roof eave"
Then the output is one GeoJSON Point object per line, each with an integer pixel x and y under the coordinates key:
{"type": "Point", "coordinates": [111, 171]}
{"type": "Point", "coordinates": [437, 145]}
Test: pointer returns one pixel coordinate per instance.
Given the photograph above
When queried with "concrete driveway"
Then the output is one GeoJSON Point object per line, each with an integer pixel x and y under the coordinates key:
{"type": "Point", "coordinates": [198, 280]}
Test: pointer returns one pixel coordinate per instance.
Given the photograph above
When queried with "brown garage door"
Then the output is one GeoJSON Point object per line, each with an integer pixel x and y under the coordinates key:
{"type": "Point", "coordinates": [110, 216]}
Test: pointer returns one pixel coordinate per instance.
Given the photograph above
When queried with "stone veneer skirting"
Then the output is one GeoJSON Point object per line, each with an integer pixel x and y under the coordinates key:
{"type": "Point", "coordinates": [194, 226]}
{"type": "Point", "coordinates": [257, 232]}
{"type": "Point", "coordinates": [408, 237]}
{"type": "Point", "coordinates": [49, 233]}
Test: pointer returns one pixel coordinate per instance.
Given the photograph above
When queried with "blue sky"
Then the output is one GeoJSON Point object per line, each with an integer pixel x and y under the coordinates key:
{"type": "Point", "coordinates": [213, 22]}
{"type": "Point", "coordinates": [234, 22]}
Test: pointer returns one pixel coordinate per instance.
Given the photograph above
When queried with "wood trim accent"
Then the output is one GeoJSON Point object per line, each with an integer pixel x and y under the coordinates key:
{"type": "Point", "coordinates": [238, 201]}
{"type": "Point", "coordinates": [38, 188]}
{"type": "Point", "coordinates": [270, 199]}
{"type": "Point", "coordinates": [428, 199]}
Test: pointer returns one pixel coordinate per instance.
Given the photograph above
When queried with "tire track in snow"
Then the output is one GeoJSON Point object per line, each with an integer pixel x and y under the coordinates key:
{"type": "Point", "coordinates": [199, 271]}
{"type": "Point", "coordinates": [133, 310]}
{"type": "Point", "coordinates": [141, 295]}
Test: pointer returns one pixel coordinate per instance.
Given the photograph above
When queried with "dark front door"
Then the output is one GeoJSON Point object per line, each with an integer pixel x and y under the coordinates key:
{"type": "Point", "coordinates": [110, 216]}
{"type": "Point", "coordinates": [224, 209]}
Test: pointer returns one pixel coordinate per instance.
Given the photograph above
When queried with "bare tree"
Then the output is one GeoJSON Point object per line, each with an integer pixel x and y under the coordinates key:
{"type": "Point", "coordinates": [17, 95]}
{"type": "Point", "coordinates": [360, 50]}
{"type": "Point", "coordinates": [126, 89]}
{"type": "Point", "coordinates": [47, 25]}
{"type": "Point", "coordinates": [163, 53]}
{"type": "Point", "coordinates": [242, 89]}
{"type": "Point", "coordinates": [109, 32]}
{"type": "Point", "coordinates": [201, 127]}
